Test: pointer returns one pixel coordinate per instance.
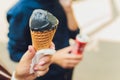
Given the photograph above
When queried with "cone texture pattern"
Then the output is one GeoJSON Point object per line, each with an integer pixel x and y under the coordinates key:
{"type": "Point", "coordinates": [42, 39]}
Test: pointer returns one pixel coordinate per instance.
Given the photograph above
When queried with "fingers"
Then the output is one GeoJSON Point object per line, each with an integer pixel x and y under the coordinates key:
{"type": "Point", "coordinates": [70, 63]}
{"type": "Point", "coordinates": [74, 57]}
{"type": "Point", "coordinates": [45, 59]}
{"type": "Point", "coordinates": [66, 52]}
{"type": "Point", "coordinates": [70, 60]}
{"type": "Point", "coordinates": [29, 54]}
{"type": "Point", "coordinates": [31, 49]}
{"type": "Point", "coordinates": [52, 46]}
{"type": "Point", "coordinates": [69, 55]}
{"type": "Point", "coordinates": [41, 73]}
{"type": "Point", "coordinates": [43, 66]}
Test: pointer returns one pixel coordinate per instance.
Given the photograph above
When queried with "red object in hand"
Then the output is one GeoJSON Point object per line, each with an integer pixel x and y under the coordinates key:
{"type": "Point", "coordinates": [80, 44]}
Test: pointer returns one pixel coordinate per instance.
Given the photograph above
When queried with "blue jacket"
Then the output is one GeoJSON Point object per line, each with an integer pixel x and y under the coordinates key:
{"type": "Point", "coordinates": [19, 33]}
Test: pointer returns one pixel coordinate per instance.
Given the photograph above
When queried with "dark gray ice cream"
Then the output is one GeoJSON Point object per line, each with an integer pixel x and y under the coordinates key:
{"type": "Point", "coordinates": [42, 20]}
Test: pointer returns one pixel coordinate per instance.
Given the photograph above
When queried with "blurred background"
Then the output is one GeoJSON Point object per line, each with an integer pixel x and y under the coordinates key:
{"type": "Point", "coordinates": [100, 20]}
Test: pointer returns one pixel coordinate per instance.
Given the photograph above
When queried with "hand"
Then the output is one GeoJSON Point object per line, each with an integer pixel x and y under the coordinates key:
{"type": "Point", "coordinates": [23, 68]}
{"type": "Point", "coordinates": [66, 4]}
{"type": "Point", "coordinates": [71, 20]}
{"type": "Point", "coordinates": [65, 59]}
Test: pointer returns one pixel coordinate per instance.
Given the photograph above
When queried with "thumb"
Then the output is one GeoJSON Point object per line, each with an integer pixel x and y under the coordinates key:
{"type": "Point", "coordinates": [29, 54]}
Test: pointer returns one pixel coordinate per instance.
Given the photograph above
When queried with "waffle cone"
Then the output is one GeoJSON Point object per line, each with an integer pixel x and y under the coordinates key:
{"type": "Point", "coordinates": [42, 39]}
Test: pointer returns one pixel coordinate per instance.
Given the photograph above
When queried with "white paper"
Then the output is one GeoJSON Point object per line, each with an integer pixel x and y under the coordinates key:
{"type": "Point", "coordinates": [39, 54]}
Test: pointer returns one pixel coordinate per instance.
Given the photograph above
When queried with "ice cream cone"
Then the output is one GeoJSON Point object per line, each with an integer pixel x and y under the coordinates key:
{"type": "Point", "coordinates": [43, 26]}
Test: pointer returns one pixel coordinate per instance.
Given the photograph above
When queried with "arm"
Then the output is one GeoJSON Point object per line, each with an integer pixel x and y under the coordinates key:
{"type": "Point", "coordinates": [67, 6]}
{"type": "Point", "coordinates": [19, 35]}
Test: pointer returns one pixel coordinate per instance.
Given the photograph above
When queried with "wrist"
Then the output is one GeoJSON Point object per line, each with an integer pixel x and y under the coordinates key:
{"type": "Point", "coordinates": [52, 60]}
{"type": "Point", "coordinates": [68, 10]}
{"type": "Point", "coordinates": [14, 76]}
{"type": "Point", "coordinates": [17, 77]}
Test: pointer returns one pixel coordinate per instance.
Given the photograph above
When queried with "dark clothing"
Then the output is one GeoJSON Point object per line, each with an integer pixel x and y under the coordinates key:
{"type": "Point", "coordinates": [19, 33]}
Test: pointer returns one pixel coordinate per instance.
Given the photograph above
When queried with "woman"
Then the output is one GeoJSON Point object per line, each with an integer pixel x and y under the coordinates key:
{"type": "Point", "coordinates": [19, 34]}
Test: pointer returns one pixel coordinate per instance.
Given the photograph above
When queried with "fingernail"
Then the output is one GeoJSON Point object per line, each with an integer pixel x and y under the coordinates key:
{"type": "Point", "coordinates": [35, 68]}
{"type": "Point", "coordinates": [41, 62]}
{"type": "Point", "coordinates": [29, 48]}
{"type": "Point", "coordinates": [53, 47]}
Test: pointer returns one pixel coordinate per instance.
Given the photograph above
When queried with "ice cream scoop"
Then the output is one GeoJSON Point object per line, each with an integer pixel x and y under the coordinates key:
{"type": "Point", "coordinates": [42, 20]}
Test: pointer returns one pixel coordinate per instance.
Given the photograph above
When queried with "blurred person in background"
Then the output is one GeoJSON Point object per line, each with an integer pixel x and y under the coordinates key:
{"type": "Point", "coordinates": [19, 34]}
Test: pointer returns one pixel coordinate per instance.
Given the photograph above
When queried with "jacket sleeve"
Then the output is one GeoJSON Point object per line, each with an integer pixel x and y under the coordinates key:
{"type": "Point", "coordinates": [74, 33]}
{"type": "Point", "coordinates": [19, 33]}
